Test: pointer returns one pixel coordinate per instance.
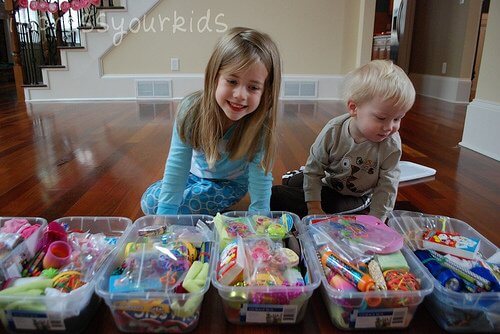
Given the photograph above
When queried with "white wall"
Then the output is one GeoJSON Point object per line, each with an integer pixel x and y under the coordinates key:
{"type": "Point", "coordinates": [309, 34]}
{"type": "Point", "coordinates": [482, 121]}
{"type": "Point", "coordinates": [319, 40]}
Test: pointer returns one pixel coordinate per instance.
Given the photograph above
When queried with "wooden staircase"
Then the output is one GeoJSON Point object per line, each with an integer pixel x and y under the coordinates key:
{"type": "Point", "coordinates": [78, 73]}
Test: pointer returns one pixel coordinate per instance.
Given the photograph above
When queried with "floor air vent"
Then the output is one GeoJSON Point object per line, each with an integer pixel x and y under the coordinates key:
{"type": "Point", "coordinates": [300, 89]}
{"type": "Point", "coordinates": [154, 89]}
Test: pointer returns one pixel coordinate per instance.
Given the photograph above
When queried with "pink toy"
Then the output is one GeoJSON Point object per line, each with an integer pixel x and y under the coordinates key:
{"type": "Point", "coordinates": [58, 255]}
{"type": "Point", "coordinates": [28, 231]}
{"type": "Point", "coordinates": [365, 234]}
{"type": "Point", "coordinates": [341, 284]}
{"type": "Point", "coordinates": [20, 226]}
{"type": "Point", "coordinates": [53, 232]}
{"type": "Point", "coordinates": [15, 225]}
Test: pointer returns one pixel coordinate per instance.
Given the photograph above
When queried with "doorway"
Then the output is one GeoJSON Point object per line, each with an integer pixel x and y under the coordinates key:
{"type": "Point", "coordinates": [393, 30]}
{"type": "Point", "coordinates": [479, 48]}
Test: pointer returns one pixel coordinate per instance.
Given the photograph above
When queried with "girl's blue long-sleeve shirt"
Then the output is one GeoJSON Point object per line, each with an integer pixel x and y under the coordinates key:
{"type": "Point", "coordinates": [183, 159]}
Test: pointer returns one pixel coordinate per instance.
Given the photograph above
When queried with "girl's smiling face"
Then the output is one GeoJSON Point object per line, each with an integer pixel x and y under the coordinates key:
{"type": "Point", "coordinates": [239, 94]}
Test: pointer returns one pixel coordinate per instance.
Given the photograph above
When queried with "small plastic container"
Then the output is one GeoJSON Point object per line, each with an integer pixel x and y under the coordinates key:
{"type": "Point", "coordinates": [268, 304]}
{"type": "Point", "coordinates": [166, 312]}
{"type": "Point", "coordinates": [72, 312]}
{"type": "Point", "coordinates": [453, 311]}
{"type": "Point", "coordinates": [9, 264]}
{"type": "Point", "coordinates": [351, 310]}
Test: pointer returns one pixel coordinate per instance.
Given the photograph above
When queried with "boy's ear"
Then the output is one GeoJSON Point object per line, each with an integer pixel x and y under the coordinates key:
{"type": "Point", "coordinates": [352, 107]}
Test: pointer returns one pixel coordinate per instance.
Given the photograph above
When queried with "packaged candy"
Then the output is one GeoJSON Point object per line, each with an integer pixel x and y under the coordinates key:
{"type": "Point", "coordinates": [274, 278]}
{"type": "Point", "coordinates": [354, 238]}
{"type": "Point", "coordinates": [156, 282]}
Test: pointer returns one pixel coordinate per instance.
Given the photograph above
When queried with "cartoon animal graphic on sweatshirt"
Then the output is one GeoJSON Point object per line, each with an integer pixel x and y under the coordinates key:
{"type": "Point", "coordinates": [354, 166]}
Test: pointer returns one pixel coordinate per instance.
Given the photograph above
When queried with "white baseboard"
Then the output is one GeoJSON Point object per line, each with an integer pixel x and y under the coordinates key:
{"type": "Point", "coordinates": [481, 128]}
{"type": "Point", "coordinates": [116, 87]}
{"type": "Point", "coordinates": [449, 89]}
{"type": "Point", "coordinates": [122, 87]}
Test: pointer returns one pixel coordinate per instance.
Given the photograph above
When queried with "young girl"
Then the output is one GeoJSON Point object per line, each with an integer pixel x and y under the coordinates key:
{"type": "Point", "coordinates": [223, 137]}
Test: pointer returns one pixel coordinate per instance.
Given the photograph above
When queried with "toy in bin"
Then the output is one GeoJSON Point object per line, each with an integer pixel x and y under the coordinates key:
{"type": "Point", "coordinates": [64, 261]}
{"type": "Point", "coordinates": [451, 243]}
{"type": "Point", "coordinates": [229, 228]}
{"type": "Point", "coordinates": [159, 261]}
{"type": "Point", "coordinates": [264, 277]}
{"type": "Point", "coordinates": [13, 231]}
{"type": "Point", "coordinates": [260, 262]}
{"type": "Point", "coordinates": [464, 264]}
{"type": "Point", "coordinates": [162, 274]}
{"type": "Point", "coordinates": [368, 283]}
{"type": "Point", "coordinates": [18, 238]}
{"type": "Point", "coordinates": [453, 260]}
{"type": "Point", "coordinates": [355, 238]}
{"type": "Point", "coordinates": [55, 280]}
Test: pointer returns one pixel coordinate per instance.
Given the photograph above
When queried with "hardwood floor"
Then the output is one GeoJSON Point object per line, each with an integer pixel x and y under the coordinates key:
{"type": "Point", "coordinates": [64, 159]}
{"type": "Point", "coordinates": [7, 91]}
{"type": "Point", "coordinates": [60, 159]}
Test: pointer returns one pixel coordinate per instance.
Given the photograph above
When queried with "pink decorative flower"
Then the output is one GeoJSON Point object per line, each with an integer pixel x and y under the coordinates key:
{"type": "Point", "coordinates": [84, 3]}
{"type": "Point", "coordinates": [53, 7]}
{"type": "Point", "coordinates": [76, 5]}
{"type": "Point", "coordinates": [23, 3]}
{"type": "Point", "coordinates": [95, 2]}
{"type": "Point", "coordinates": [43, 6]}
{"type": "Point", "coordinates": [65, 6]}
{"type": "Point", "coordinates": [34, 5]}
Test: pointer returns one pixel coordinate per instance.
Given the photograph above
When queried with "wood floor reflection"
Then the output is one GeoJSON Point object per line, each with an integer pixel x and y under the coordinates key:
{"type": "Point", "coordinates": [60, 159]}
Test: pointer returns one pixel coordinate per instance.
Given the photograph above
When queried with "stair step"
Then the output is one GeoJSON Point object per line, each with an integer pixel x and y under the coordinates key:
{"type": "Point", "coordinates": [110, 7]}
{"type": "Point", "coordinates": [68, 47]}
{"type": "Point", "coordinates": [52, 66]}
{"type": "Point", "coordinates": [91, 28]}
{"type": "Point", "coordinates": [34, 86]}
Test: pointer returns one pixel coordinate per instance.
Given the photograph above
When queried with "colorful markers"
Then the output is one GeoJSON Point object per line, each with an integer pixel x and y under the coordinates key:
{"type": "Point", "coordinates": [357, 278]}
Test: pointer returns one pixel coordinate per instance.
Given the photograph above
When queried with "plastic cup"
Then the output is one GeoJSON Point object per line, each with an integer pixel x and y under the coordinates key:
{"type": "Point", "coordinates": [58, 255]}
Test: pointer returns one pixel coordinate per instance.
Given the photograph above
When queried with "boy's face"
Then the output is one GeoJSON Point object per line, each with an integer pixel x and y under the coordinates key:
{"type": "Point", "coordinates": [375, 120]}
{"type": "Point", "coordinates": [239, 94]}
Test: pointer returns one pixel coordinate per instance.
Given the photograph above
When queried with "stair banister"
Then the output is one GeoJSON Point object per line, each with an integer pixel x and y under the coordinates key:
{"type": "Point", "coordinates": [10, 7]}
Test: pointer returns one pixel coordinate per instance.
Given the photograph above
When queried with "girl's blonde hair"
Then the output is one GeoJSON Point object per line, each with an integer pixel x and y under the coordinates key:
{"type": "Point", "coordinates": [379, 78]}
{"type": "Point", "coordinates": [202, 124]}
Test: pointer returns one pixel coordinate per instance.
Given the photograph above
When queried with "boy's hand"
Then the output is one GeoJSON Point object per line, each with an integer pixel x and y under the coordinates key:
{"type": "Point", "coordinates": [314, 208]}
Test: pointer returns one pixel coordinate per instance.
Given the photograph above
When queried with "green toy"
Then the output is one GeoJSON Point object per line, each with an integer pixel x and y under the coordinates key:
{"type": "Point", "coordinates": [196, 277]}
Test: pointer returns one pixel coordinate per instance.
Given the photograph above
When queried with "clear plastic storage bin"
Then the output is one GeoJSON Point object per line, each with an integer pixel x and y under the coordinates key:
{"type": "Point", "coordinates": [72, 312]}
{"type": "Point", "coordinates": [9, 263]}
{"type": "Point", "coordinates": [351, 310]}
{"type": "Point", "coordinates": [154, 311]}
{"type": "Point", "coordinates": [268, 304]}
{"type": "Point", "coordinates": [453, 311]}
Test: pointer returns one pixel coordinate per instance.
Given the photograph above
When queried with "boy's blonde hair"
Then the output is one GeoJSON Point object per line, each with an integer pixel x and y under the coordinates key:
{"type": "Point", "coordinates": [379, 78]}
{"type": "Point", "coordinates": [202, 124]}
